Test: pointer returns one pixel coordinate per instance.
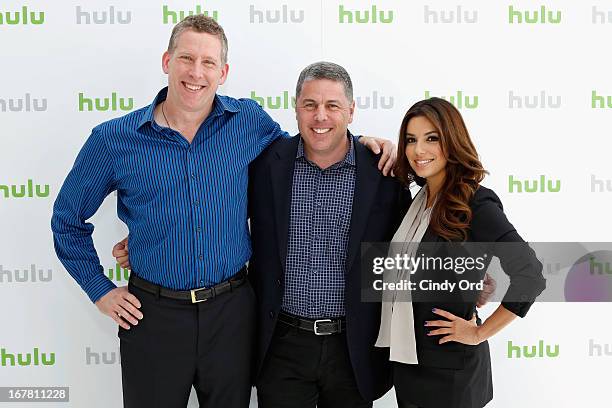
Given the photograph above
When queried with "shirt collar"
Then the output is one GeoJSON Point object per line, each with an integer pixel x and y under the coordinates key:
{"type": "Point", "coordinates": [220, 106]}
{"type": "Point", "coordinates": [349, 158]}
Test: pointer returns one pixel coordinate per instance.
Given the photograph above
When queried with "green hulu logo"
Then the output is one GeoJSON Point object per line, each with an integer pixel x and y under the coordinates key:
{"type": "Point", "coordinates": [459, 100]}
{"type": "Point", "coordinates": [533, 186]}
{"type": "Point", "coordinates": [274, 102]}
{"type": "Point", "coordinates": [600, 102]}
{"type": "Point", "coordinates": [113, 103]}
{"type": "Point", "coordinates": [118, 273]}
{"type": "Point", "coordinates": [24, 17]}
{"type": "Point", "coordinates": [541, 16]}
{"type": "Point", "coordinates": [372, 16]}
{"type": "Point", "coordinates": [35, 358]}
{"type": "Point", "coordinates": [539, 351]}
{"type": "Point", "coordinates": [28, 190]}
{"type": "Point", "coordinates": [173, 17]}
{"type": "Point", "coordinates": [599, 268]}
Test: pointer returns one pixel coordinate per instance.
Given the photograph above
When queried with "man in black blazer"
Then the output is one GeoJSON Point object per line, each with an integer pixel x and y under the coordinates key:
{"type": "Point", "coordinates": [312, 200]}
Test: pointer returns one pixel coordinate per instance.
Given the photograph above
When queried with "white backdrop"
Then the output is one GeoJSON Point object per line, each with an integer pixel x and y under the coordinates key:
{"type": "Point", "coordinates": [537, 98]}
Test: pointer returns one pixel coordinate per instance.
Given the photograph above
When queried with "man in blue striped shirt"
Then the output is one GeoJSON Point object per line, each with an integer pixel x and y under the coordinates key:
{"type": "Point", "coordinates": [180, 167]}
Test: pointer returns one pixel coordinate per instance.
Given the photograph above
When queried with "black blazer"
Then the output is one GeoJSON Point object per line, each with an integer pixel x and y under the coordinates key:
{"type": "Point", "coordinates": [470, 385]}
{"type": "Point", "coordinates": [379, 204]}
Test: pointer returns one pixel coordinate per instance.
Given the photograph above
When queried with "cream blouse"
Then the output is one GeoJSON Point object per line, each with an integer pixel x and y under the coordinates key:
{"type": "Point", "coordinates": [397, 321]}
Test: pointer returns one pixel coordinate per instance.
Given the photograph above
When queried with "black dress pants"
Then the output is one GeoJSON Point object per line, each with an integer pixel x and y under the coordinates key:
{"type": "Point", "coordinates": [178, 345]}
{"type": "Point", "coordinates": [303, 370]}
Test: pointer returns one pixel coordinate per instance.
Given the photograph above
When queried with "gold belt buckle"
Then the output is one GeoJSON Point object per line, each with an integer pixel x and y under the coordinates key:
{"type": "Point", "coordinates": [193, 295]}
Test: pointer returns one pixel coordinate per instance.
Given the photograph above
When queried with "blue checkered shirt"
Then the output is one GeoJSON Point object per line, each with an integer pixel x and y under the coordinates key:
{"type": "Point", "coordinates": [319, 228]}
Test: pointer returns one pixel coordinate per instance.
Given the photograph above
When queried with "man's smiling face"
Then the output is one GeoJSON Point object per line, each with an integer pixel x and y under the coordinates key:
{"type": "Point", "coordinates": [323, 113]}
{"type": "Point", "coordinates": [195, 70]}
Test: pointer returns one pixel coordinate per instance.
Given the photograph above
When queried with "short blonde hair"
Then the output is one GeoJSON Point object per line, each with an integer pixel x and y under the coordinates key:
{"type": "Point", "coordinates": [201, 24]}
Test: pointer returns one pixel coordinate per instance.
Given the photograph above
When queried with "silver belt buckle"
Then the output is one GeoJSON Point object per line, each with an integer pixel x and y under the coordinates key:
{"type": "Point", "coordinates": [316, 329]}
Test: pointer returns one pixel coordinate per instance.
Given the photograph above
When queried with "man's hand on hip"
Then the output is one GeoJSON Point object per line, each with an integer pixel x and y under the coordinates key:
{"type": "Point", "coordinates": [121, 306]}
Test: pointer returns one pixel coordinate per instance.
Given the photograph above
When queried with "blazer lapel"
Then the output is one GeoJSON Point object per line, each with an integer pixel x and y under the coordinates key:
{"type": "Point", "coordinates": [367, 178]}
{"type": "Point", "coordinates": [281, 177]}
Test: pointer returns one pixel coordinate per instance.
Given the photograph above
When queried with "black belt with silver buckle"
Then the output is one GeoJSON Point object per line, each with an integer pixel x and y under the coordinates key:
{"type": "Point", "coordinates": [320, 327]}
{"type": "Point", "coordinates": [193, 295]}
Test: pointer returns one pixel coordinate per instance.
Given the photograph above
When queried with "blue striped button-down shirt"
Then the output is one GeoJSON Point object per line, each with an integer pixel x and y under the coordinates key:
{"type": "Point", "coordinates": [185, 204]}
{"type": "Point", "coordinates": [319, 229]}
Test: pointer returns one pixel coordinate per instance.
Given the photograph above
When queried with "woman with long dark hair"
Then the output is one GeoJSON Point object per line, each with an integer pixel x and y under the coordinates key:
{"type": "Point", "coordinates": [439, 349]}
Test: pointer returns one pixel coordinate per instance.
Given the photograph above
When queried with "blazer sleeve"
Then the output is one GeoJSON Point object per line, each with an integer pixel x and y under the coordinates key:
{"type": "Point", "coordinates": [517, 259]}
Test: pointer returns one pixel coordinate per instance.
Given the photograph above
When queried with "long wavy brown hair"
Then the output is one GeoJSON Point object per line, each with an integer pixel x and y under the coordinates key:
{"type": "Point", "coordinates": [451, 214]}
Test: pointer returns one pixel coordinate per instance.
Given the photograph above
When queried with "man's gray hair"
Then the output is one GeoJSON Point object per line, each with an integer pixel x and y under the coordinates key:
{"type": "Point", "coordinates": [200, 24]}
{"type": "Point", "coordinates": [325, 70]}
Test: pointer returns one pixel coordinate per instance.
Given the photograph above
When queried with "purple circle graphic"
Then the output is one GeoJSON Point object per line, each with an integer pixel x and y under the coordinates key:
{"type": "Point", "coordinates": [590, 278]}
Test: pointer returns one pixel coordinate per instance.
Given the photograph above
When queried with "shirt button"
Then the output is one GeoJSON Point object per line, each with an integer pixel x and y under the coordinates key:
{"type": "Point", "coordinates": [196, 203]}
{"type": "Point", "coordinates": [193, 176]}
{"type": "Point", "coordinates": [271, 314]}
{"type": "Point", "coordinates": [200, 257]}
{"type": "Point", "coordinates": [278, 282]}
{"type": "Point", "coordinates": [315, 271]}
{"type": "Point", "coordinates": [198, 229]}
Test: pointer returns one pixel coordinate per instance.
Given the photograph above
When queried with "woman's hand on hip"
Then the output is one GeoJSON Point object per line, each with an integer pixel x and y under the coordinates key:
{"type": "Point", "coordinates": [454, 328]}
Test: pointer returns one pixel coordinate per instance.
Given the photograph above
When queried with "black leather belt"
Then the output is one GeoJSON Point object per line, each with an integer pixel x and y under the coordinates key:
{"type": "Point", "coordinates": [194, 295]}
{"type": "Point", "coordinates": [320, 327]}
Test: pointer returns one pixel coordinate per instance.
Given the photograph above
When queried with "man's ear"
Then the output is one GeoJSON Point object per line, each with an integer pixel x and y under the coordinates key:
{"type": "Point", "coordinates": [165, 60]}
{"type": "Point", "coordinates": [351, 112]}
{"type": "Point", "coordinates": [224, 73]}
